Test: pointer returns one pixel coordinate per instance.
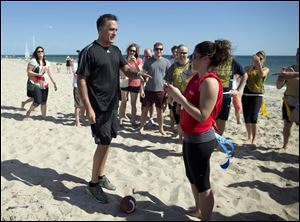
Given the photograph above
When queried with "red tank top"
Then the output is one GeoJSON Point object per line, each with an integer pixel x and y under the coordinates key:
{"type": "Point", "coordinates": [188, 124]}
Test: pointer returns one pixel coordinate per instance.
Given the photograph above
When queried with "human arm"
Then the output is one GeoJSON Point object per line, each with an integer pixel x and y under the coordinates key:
{"type": "Point", "coordinates": [262, 72]}
{"type": "Point", "coordinates": [285, 72]}
{"type": "Point", "coordinates": [142, 89]}
{"type": "Point", "coordinates": [134, 72]}
{"type": "Point", "coordinates": [241, 86]}
{"type": "Point", "coordinates": [208, 98]}
{"type": "Point", "coordinates": [51, 78]}
{"type": "Point", "coordinates": [30, 72]}
{"type": "Point", "coordinates": [81, 82]}
{"type": "Point", "coordinates": [237, 69]}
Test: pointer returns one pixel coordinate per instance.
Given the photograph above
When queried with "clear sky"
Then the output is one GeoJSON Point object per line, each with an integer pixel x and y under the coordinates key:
{"type": "Point", "coordinates": [63, 27]}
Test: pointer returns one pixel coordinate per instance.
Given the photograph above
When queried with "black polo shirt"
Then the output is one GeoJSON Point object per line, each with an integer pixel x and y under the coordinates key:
{"type": "Point", "coordinates": [101, 66]}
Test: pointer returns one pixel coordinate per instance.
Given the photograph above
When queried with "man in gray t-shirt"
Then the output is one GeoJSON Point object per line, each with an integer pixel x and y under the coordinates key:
{"type": "Point", "coordinates": [156, 67]}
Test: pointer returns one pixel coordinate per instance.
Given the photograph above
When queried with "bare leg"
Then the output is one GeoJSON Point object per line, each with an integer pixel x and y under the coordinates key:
{"type": "Point", "coordinates": [151, 111]}
{"type": "Point", "coordinates": [206, 204]}
{"type": "Point", "coordinates": [26, 101]}
{"type": "Point", "coordinates": [143, 118]}
{"type": "Point", "coordinates": [32, 107]}
{"type": "Point", "coordinates": [253, 129]}
{"type": "Point", "coordinates": [122, 109]}
{"type": "Point", "coordinates": [77, 114]}
{"type": "Point", "coordinates": [195, 211]}
{"type": "Point", "coordinates": [172, 120]}
{"type": "Point", "coordinates": [133, 98]}
{"type": "Point", "coordinates": [82, 113]}
{"type": "Point", "coordinates": [99, 160]}
{"type": "Point", "coordinates": [248, 128]}
{"type": "Point", "coordinates": [44, 110]}
{"type": "Point", "coordinates": [160, 120]}
{"type": "Point", "coordinates": [238, 118]}
{"type": "Point", "coordinates": [286, 133]}
{"type": "Point", "coordinates": [294, 116]}
{"type": "Point", "coordinates": [221, 125]}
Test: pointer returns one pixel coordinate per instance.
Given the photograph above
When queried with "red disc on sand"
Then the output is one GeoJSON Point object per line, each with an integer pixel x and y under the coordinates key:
{"type": "Point", "coordinates": [128, 204]}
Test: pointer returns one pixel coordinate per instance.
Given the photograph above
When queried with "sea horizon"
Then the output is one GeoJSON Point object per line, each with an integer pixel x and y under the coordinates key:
{"type": "Point", "coordinates": [274, 63]}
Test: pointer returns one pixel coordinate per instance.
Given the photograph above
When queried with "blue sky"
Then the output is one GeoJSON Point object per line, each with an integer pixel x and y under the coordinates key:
{"type": "Point", "coordinates": [63, 27]}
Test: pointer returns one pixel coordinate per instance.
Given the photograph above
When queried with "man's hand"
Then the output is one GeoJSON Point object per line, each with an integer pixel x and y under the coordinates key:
{"type": "Point", "coordinates": [143, 75]}
{"type": "Point", "coordinates": [91, 115]}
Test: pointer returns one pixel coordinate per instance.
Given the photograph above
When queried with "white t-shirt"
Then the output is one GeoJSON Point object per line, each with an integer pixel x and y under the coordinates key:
{"type": "Point", "coordinates": [74, 69]}
{"type": "Point", "coordinates": [43, 81]}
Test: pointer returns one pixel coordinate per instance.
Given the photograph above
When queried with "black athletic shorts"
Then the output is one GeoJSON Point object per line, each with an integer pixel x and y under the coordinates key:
{"type": "Point", "coordinates": [196, 157]}
{"type": "Point", "coordinates": [251, 106]}
{"type": "Point", "coordinates": [105, 128]}
{"type": "Point", "coordinates": [224, 113]}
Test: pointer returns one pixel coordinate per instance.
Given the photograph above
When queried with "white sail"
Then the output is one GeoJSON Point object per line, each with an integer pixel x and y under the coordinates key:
{"type": "Point", "coordinates": [33, 43]}
{"type": "Point", "coordinates": [27, 56]}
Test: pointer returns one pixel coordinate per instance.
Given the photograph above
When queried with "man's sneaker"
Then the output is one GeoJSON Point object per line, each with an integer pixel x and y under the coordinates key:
{"type": "Point", "coordinates": [105, 183]}
{"type": "Point", "coordinates": [97, 193]}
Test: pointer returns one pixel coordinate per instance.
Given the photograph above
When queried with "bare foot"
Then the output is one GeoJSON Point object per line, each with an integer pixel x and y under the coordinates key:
{"type": "Point", "coordinates": [193, 213]}
{"type": "Point", "coordinates": [27, 114]}
{"type": "Point", "coordinates": [162, 132]}
{"type": "Point", "coordinates": [78, 124]}
{"type": "Point", "coordinates": [142, 131]}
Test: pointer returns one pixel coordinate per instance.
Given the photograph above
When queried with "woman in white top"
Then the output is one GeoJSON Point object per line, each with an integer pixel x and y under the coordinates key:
{"type": "Point", "coordinates": [38, 71]}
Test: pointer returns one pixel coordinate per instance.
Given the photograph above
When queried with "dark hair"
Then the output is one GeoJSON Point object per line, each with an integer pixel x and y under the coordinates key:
{"type": "Point", "coordinates": [137, 47]}
{"type": "Point", "coordinates": [218, 51]}
{"type": "Point", "coordinates": [34, 55]}
{"type": "Point", "coordinates": [157, 44]}
{"type": "Point", "coordinates": [101, 22]}
{"type": "Point", "coordinates": [174, 47]}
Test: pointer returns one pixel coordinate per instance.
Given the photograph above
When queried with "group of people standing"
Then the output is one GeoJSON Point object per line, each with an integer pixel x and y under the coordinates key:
{"type": "Point", "coordinates": [199, 90]}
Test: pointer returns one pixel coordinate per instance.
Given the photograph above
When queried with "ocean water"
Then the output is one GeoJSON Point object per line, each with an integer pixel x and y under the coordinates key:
{"type": "Point", "coordinates": [274, 63]}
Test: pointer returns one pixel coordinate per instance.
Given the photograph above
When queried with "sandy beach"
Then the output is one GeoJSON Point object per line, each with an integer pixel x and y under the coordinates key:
{"type": "Point", "coordinates": [46, 164]}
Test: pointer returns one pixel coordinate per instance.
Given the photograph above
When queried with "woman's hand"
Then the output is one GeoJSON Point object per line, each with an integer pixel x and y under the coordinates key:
{"type": "Point", "coordinates": [256, 61]}
{"type": "Point", "coordinates": [174, 93]}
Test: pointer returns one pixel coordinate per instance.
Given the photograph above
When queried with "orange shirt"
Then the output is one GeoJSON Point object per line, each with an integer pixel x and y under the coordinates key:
{"type": "Point", "coordinates": [135, 82]}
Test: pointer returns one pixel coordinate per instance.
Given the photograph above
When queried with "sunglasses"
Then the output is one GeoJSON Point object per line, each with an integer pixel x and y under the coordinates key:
{"type": "Point", "coordinates": [193, 56]}
{"type": "Point", "coordinates": [183, 53]}
{"type": "Point", "coordinates": [131, 50]}
{"type": "Point", "coordinates": [159, 49]}
{"type": "Point", "coordinates": [39, 51]}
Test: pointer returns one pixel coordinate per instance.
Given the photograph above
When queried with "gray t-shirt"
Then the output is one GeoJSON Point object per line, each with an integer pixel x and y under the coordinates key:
{"type": "Point", "coordinates": [157, 69]}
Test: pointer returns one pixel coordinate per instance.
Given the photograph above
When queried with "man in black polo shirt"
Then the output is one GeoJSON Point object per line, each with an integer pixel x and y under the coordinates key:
{"type": "Point", "coordinates": [98, 82]}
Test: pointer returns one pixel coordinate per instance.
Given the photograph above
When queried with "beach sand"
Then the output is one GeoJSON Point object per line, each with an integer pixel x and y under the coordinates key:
{"type": "Point", "coordinates": [46, 165]}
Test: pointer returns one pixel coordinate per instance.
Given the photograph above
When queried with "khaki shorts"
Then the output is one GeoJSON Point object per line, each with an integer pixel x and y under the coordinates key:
{"type": "Point", "coordinates": [77, 98]}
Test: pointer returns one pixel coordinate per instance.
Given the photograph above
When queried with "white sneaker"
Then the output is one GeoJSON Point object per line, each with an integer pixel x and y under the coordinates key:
{"type": "Point", "coordinates": [153, 123]}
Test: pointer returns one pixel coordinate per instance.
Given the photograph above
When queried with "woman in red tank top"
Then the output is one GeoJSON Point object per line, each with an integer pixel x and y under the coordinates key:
{"type": "Point", "coordinates": [201, 102]}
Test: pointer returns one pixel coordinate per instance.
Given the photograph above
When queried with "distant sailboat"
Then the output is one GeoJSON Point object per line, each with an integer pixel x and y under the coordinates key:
{"type": "Point", "coordinates": [27, 56]}
{"type": "Point", "coordinates": [33, 43]}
